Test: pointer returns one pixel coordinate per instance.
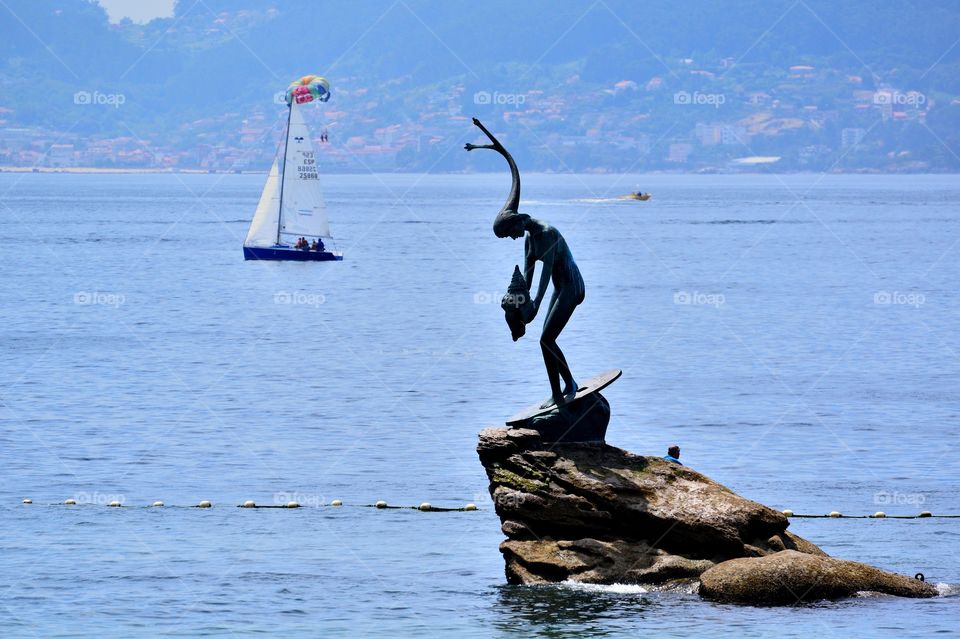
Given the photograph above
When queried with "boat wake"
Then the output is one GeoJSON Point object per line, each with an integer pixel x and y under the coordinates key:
{"type": "Point", "coordinates": [600, 200]}
{"type": "Point", "coordinates": [734, 221]}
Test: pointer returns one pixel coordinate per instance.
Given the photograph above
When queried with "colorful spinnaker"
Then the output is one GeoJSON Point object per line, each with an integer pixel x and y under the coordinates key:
{"type": "Point", "coordinates": [307, 89]}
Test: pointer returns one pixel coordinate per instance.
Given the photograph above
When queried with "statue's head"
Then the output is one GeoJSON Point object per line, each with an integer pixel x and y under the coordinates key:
{"type": "Point", "coordinates": [510, 224]}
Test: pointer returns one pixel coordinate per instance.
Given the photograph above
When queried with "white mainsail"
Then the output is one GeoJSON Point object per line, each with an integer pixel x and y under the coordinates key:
{"type": "Point", "coordinates": [266, 220]}
{"type": "Point", "coordinates": [304, 212]}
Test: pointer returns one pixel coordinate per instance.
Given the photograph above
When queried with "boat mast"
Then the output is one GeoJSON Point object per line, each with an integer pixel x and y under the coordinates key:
{"type": "Point", "coordinates": [283, 171]}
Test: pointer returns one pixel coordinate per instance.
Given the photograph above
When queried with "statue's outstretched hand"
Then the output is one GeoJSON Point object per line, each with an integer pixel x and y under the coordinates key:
{"type": "Point", "coordinates": [469, 147]}
{"type": "Point", "coordinates": [534, 309]}
{"type": "Point", "coordinates": [496, 143]}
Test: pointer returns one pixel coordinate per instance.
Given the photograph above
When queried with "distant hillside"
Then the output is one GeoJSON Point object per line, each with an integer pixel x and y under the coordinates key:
{"type": "Point", "coordinates": [577, 84]}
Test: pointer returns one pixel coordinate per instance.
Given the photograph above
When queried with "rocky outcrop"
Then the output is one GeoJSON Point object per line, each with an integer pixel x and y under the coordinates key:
{"type": "Point", "coordinates": [599, 514]}
{"type": "Point", "coordinates": [790, 577]}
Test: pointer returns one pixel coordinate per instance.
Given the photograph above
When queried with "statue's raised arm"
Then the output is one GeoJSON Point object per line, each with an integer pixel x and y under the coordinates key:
{"type": "Point", "coordinates": [513, 200]}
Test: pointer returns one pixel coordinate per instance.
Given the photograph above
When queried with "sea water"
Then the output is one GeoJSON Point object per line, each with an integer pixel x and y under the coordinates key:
{"type": "Point", "coordinates": [795, 335]}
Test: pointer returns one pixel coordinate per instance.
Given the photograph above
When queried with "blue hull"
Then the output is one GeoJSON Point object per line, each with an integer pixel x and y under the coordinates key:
{"type": "Point", "coordinates": [288, 254]}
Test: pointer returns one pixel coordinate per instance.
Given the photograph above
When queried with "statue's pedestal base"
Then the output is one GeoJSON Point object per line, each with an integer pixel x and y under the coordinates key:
{"type": "Point", "coordinates": [582, 419]}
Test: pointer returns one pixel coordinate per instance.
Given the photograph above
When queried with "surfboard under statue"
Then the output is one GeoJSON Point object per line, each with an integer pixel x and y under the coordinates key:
{"type": "Point", "coordinates": [584, 418]}
{"type": "Point", "coordinates": [291, 205]}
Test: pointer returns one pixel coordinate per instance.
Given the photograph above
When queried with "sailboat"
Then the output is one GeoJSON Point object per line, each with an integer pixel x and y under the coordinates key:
{"type": "Point", "coordinates": [290, 222]}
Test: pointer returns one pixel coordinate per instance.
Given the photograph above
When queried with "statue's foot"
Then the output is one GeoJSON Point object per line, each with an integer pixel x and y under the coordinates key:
{"type": "Point", "coordinates": [552, 402]}
{"type": "Point", "coordinates": [570, 390]}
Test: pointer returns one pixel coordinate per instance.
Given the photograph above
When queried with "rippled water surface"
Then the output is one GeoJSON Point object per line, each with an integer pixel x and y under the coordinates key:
{"type": "Point", "coordinates": [796, 335]}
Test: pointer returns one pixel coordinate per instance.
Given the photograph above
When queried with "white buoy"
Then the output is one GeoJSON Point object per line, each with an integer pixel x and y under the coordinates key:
{"type": "Point", "coordinates": [204, 504]}
{"type": "Point", "coordinates": [788, 513]}
{"type": "Point", "coordinates": [158, 504]}
{"type": "Point", "coordinates": [69, 502]}
{"type": "Point", "coordinates": [425, 506]}
{"type": "Point", "coordinates": [879, 514]}
{"type": "Point", "coordinates": [336, 502]}
{"type": "Point", "coordinates": [835, 514]}
{"type": "Point", "coordinates": [249, 504]}
{"type": "Point", "coordinates": [114, 504]}
{"type": "Point", "coordinates": [381, 504]}
{"type": "Point", "coordinates": [925, 513]}
{"type": "Point", "coordinates": [28, 501]}
{"type": "Point", "coordinates": [470, 507]}
{"type": "Point", "coordinates": [292, 504]}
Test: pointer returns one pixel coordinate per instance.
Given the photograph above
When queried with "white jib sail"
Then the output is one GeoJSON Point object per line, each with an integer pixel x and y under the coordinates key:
{"type": "Point", "coordinates": [263, 228]}
{"type": "Point", "coordinates": [304, 212]}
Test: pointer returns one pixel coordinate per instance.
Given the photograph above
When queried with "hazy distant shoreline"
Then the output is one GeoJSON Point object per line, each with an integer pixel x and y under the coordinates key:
{"type": "Point", "coordinates": [92, 170]}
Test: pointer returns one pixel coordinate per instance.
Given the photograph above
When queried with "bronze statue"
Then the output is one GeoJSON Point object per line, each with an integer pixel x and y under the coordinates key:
{"type": "Point", "coordinates": [545, 244]}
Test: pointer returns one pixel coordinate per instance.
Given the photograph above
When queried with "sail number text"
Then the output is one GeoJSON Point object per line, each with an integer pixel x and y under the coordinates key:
{"type": "Point", "coordinates": [307, 168]}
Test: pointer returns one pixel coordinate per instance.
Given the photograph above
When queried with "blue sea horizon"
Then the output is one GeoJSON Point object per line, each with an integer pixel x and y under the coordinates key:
{"type": "Point", "coordinates": [795, 334]}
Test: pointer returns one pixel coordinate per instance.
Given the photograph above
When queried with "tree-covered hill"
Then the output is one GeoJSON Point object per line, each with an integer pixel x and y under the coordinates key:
{"type": "Point", "coordinates": [584, 68]}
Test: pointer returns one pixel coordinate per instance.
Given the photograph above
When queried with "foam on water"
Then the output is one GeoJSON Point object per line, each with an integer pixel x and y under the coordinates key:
{"type": "Point", "coordinates": [943, 590]}
{"type": "Point", "coordinates": [619, 589]}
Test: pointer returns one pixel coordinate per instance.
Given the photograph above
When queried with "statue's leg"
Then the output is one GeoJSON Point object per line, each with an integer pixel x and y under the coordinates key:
{"type": "Point", "coordinates": [548, 345]}
{"type": "Point", "coordinates": [570, 386]}
{"type": "Point", "coordinates": [559, 313]}
{"type": "Point", "coordinates": [550, 362]}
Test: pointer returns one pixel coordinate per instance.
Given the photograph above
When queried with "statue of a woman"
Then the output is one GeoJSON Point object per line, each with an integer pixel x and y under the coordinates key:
{"type": "Point", "coordinates": [545, 244]}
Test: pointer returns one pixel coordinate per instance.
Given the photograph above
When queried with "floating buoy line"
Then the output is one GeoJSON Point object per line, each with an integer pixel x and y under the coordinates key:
{"type": "Point", "coordinates": [336, 503]}
{"type": "Point", "coordinates": [428, 507]}
{"type": "Point", "coordinates": [926, 514]}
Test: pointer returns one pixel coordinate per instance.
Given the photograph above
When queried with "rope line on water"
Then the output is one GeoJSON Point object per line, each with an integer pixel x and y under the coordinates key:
{"type": "Point", "coordinates": [926, 514]}
{"type": "Point", "coordinates": [336, 503]}
{"type": "Point", "coordinates": [428, 507]}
